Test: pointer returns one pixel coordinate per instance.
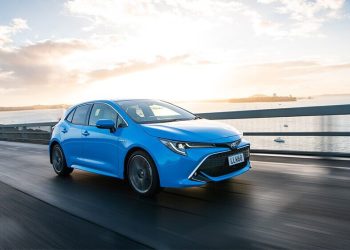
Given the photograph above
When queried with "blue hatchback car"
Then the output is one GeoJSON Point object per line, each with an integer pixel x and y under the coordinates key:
{"type": "Point", "coordinates": [150, 143]}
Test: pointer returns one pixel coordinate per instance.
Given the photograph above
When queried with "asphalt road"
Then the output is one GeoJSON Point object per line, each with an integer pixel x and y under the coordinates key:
{"type": "Point", "coordinates": [282, 203]}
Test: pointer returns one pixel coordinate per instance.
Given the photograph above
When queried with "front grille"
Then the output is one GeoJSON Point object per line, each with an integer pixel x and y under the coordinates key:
{"type": "Point", "coordinates": [217, 164]}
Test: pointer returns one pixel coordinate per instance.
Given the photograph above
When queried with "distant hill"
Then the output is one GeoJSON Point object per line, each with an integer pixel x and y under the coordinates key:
{"type": "Point", "coordinates": [35, 107]}
{"type": "Point", "coordinates": [262, 98]}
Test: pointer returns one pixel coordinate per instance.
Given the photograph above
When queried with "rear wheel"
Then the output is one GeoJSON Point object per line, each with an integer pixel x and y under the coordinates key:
{"type": "Point", "coordinates": [59, 163]}
{"type": "Point", "coordinates": [142, 174]}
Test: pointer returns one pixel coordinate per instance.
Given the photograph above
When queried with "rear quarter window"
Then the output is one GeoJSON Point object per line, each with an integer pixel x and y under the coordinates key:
{"type": "Point", "coordinates": [69, 117]}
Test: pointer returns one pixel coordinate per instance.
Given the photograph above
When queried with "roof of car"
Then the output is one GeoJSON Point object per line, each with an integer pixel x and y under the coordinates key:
{"type": "Point", "coordinates": [109, 100]}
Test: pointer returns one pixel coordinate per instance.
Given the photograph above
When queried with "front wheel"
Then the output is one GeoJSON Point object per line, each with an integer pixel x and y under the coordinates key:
{"type": "Point", "coordinates": [142, 174]}
{"type": "Point", "coordinates": [59, 162]}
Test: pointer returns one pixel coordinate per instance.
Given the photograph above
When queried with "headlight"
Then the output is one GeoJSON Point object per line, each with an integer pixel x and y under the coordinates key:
{"type": "Point", "coordinates": [177, 147]}
{"type": "Point", "coordinates": [180, 147]}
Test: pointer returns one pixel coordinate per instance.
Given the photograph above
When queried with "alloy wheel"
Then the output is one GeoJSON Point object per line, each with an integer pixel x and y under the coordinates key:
{"type": "Point", "coordinates": [140, 174]}
{"type": "Point", "coordinates": [57, 159]}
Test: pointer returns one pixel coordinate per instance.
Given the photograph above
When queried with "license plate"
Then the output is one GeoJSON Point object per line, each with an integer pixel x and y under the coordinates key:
{"type": "Point", "coordinates": [235, 159]}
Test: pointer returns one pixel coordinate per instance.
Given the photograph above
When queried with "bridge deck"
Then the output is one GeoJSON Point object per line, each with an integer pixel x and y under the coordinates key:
{"type": "Point", "coordinates": [283, 203]}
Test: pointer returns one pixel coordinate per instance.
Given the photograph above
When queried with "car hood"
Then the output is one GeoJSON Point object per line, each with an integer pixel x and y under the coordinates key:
{"type": "Point", "coordinates": [200, 130]}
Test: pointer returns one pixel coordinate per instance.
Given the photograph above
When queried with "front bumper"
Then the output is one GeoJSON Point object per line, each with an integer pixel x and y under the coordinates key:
{"type": "Point", "coordinates": [201, 165]}
{"type": "Point", "coordinates": [215, 167]}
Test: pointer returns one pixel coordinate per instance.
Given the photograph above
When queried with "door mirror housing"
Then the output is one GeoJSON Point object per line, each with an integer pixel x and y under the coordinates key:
{"type": "Point", "coordinates": [106, 124]}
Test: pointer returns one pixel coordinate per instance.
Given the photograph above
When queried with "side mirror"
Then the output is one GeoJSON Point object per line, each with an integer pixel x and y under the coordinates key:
{"type": "Point", "coordinates": [106, 124]}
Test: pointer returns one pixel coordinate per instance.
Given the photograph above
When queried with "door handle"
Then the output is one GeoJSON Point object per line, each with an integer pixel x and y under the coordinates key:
{"type": "Point", "coordinates": [64, 130]}
{"type": "Point", "coordinates": [85, 133]}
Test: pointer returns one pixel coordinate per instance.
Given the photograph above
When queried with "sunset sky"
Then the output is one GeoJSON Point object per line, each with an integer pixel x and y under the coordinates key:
{"type": "Point", "coordinates": [55, 51]}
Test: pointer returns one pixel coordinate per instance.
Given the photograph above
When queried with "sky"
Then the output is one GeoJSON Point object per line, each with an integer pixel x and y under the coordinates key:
{"type": "Point", "coordinates": [55, 51]}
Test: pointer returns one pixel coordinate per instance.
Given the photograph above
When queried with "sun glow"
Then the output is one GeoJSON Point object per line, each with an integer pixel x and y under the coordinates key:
{"type": "Point", "coordinates": [173, 82]}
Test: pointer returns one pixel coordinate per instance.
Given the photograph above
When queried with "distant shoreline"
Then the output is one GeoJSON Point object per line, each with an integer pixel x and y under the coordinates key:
{"type": "Point", "coordinates": [34, 107]}
{"type": "Point", "coordinates": [254, 99]}
{"type": "Point", "coordinates": [264, 99]}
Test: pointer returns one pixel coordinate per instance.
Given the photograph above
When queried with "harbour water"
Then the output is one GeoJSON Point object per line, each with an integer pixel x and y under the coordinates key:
{"type": "Point", "coordinates": [289, 124]}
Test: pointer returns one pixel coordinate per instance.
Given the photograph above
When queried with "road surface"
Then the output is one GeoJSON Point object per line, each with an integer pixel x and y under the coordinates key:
{"type": "Point", "coordinates": [282, 203]}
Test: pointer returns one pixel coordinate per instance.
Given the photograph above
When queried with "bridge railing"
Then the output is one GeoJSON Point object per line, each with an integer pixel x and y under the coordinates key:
{"type": "Point", "coordinates": [29, 132]}
{"type": "Point", "coordinates": [315, 131]}
{"type": "Point", "coordinates": [330, 138]}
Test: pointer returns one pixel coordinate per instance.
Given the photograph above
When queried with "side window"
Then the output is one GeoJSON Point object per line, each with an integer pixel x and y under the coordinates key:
{"type": "Point", "coordinates": [80, 114]}
{"type": "Point", "coordinates": [102, 111]}
{"type": "Point", "coordinates": [69, 117]}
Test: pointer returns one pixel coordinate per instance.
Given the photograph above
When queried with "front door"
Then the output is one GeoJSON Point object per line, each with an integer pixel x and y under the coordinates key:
{"type": "Point", "coordinates": [101, 146]}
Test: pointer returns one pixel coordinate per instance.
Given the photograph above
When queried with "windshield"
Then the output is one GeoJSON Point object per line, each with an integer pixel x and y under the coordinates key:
{"type": "Point", "coordinates": [153, 111]}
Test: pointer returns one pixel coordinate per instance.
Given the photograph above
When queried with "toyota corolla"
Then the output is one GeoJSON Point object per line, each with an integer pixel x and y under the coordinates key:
{"type": "Point", "coordinates": [149, 143]}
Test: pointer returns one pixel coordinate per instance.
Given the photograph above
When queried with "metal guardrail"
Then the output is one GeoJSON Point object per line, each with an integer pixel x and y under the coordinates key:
{"type": "Point", "coordinates": [29, 132]}
{"type": "Point", "coordinates": [41, 132]}
{"type": "Point", "coordinates": [332, 110]}
{"type": "Point", "coordinates": [297, 133]}
{"type": "Point", "coordinates": [283, 112]}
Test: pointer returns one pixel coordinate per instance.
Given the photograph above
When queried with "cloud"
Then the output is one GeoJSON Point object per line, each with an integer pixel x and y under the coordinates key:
{"type": "Point", "coordinates": [134, 66]}
{"type": "Point", "coordinates": [5, 74]}
{"type": "Point", "coordinates": [121, 11]}
{"type": "Point", "coordinates": [304, 10]}
{"type": "Point", "coordinates": [263, 26]}
{"type": "Point", "coordinates": [150, 28]}
{"type": "Point", "coordinates": [291, 69]}
{"type": "Point", "coordinates": [49, 63]}
{"type": "Point", "coordinates": [37, 64]}
{"type": "Point", "coordinates": [140, 14]}
{"type": "Point", "coordinates": [307, 17]}
{"type": "Point", "coordinates": [47, 73]}
{"type": "Point", "coordinates": [7, 31]}
{"type": "Point", "coordinates": [36, 71]}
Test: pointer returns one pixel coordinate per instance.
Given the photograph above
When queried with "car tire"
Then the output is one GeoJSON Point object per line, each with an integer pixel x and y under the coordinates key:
{"type": "Point", "coordinates": [59, 163]}
{"type": "Point", "coordinates": [142, 174]}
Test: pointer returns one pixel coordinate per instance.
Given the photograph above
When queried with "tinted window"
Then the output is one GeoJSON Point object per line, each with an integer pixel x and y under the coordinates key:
{"type": "Point", "coordinates": [80, 114]}
{"type": "Point", "coordinates": [102, 111]}
{"type": "Point", "coordinates": [70, 116]}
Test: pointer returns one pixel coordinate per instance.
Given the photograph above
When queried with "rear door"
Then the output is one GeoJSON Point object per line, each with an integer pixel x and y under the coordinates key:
{"type": "Point", "coordinates": [71, 134]}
